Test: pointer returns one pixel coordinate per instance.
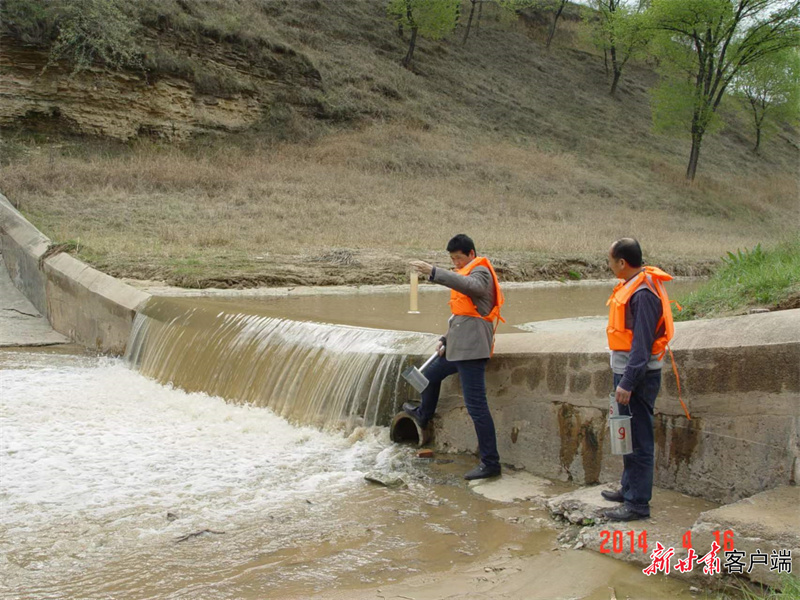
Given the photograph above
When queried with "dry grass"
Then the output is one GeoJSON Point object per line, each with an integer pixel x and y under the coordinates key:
{"type": "Point", "coordinates": [388, 188]}
{"type": "Point", "coordinates": [520, 147]}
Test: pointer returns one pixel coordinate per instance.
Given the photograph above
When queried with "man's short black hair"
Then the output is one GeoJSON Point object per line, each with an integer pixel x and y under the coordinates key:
{"type": "Point", "coordinates": [629, 249]}
{"type": "Point", "coordinates": [461, 243]}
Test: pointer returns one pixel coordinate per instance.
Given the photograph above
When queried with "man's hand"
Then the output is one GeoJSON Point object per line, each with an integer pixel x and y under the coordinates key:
{"type": "Point", "coordinates": [623, 396]}
{"type": "Point", "coordinates": [422, 267]}
{"type": "Point", "coordinates": [440, 348]}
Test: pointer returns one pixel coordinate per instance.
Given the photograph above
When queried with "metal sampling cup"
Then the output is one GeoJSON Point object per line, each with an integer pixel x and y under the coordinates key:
{"type": "Point", "coordinates": [414, 376]}
{"type": "Point", "coordinates": [613, 407]}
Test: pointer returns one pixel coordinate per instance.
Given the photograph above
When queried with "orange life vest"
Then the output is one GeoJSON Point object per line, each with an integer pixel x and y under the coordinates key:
{"type": "Point", "coordinates": [461, 304]}
{"type": "Point", "coordinates": [621, 338]}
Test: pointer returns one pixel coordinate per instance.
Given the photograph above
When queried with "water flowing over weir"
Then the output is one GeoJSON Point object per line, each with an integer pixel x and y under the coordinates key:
{"type": "Point", "coordinates": [329, 376]}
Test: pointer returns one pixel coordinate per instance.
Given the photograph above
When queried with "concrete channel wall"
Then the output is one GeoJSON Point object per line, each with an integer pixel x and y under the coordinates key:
{"type": "Point", "coordinates": [740, 378]}
{"type": "Point", "coordinates": [88, 306]}
{"type": "Point", "coordinates": [548, 391]}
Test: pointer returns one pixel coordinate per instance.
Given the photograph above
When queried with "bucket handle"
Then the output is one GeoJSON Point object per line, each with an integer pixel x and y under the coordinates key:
{"type": "Point", "coordinates": [628, 406]}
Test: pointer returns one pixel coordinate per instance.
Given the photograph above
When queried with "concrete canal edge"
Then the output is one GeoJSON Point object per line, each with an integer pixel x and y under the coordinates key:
{"type": "Point", "coordinates": [548, 392]}
{"type": "Point", "coordinates": [88, 306]}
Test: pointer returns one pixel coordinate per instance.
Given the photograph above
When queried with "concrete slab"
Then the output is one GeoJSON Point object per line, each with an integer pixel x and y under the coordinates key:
{"type": "Point", "coordinates": [767, 524]}
{"type": "Point", "coordinates": [513, 486]}
{"type": "Point", "coordinates": [769, 520]}
{"type": "Point", "coordinates": [590, 325]}
{"type": "Point", "coordinates": [672, 515]}
{"type": "Point", "coordinates": [20, 323]}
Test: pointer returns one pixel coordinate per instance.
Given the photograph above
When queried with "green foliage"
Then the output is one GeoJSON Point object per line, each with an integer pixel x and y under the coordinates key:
{"type": "Point", "coordinates": [769, 90]}
{"type": "Point", "coordinates": [512, 7]}
{"type": "Point", "coordinates": [620, 24]}
{"type": "Point", "coordinates": [747, 278]}
{"type": "Point", "coordinates": [789, 590]}
{"type": "Point", "coordinates": [32, 21]}
{"type": "Point", "coordinates": [702, 46]}
{"type": "Point", "coordinates": [80, 32]}
{"type": "Point", "coordinates": [621, 29]}
{"type": "Point", "coordinates": [675, 108]}
{"type": "Point", "coordinates": [743, 258]}
{"type": "Point", "coordinates": [433, 19]}
{"type": "Point", "coordinates": [91, 31]}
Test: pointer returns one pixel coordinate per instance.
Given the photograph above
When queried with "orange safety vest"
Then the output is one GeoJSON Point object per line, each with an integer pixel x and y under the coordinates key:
{"type": "Point", "coordinates": [621, 338]}
{"type": "Point", "coordinates": [461, 304]}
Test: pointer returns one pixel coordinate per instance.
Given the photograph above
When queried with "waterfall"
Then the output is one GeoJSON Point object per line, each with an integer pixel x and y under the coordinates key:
{"type": "Point", "coordinates": [329, 376]}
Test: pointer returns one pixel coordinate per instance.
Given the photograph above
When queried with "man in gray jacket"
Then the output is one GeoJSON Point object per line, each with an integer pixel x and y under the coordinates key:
{"type": "Point", "coordinates": [475, 302]}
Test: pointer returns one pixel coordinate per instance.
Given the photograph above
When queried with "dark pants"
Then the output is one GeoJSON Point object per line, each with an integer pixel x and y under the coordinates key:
{"type": "Point", "coordinates": [637, 476]}
{"type": "Point", "coordinates": [472, 374]}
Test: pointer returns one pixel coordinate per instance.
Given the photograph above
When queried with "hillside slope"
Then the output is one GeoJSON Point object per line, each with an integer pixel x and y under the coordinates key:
{"type": "Point", "coordinates": [329, 148]}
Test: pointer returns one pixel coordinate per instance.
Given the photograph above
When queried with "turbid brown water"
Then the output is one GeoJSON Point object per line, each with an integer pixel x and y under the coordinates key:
{"type": "Point", "coordinates": [116, 486]}
{"type": "Point", "coordinates": [366, 307]}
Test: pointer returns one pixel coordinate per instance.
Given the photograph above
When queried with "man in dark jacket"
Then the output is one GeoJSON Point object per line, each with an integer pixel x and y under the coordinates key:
{"type": "Point", "coordinates": [467, 346]}
{"type": "Point", "coordinates": [636, 337]}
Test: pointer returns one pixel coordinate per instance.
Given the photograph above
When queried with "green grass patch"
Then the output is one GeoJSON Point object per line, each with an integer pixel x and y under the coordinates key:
{"type": "Point", "coordinates": [755, 278]}
{"type": "Point", "coordinates": [790, 590]}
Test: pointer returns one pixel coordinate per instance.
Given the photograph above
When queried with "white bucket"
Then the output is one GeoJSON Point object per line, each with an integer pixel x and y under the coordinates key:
{"type": "Point", "coordinates": [621, 442]}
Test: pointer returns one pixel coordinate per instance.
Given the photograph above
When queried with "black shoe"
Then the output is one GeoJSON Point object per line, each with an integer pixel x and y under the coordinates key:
{"type": "Point", "coordinates": [623, 513]}
{"type": "Point", "coordinates": [413, 412]}
{"type": "Point", "coordinates": [615, 496]}
{"type": "Point", "coordinates": [482, 472]}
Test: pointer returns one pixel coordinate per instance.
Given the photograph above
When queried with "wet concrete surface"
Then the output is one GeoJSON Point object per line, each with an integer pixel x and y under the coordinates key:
{"type": "Point", "coordinates": [20, 323]}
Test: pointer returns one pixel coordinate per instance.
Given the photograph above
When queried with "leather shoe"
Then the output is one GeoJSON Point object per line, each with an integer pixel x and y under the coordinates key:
{"type": "Point", "coordinates": [623, 513]}
{"type": "Point", "coordinates": [615, 496]}
{"type": "Point", "coordinates": [482, 472]}
{"type": "Point", "coordinates": [413, 412]}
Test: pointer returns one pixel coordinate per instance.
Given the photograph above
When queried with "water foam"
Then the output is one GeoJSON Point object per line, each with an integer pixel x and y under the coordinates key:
{"type": "Point", "coordinates": [94, 457]}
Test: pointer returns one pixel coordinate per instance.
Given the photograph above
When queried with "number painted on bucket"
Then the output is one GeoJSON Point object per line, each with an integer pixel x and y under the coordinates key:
{"type": "Point", "coordinates": [621, 432]}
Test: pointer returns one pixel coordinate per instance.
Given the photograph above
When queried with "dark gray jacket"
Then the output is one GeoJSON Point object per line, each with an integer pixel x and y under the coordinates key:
{"type": "Point", "coordinates": [469, 338]}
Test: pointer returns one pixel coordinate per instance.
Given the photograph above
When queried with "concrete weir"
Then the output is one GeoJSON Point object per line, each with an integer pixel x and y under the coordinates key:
{"type": "Point", "coordinates": [80, 302]}
{"type": "Point", "coordinates": [740, 378]}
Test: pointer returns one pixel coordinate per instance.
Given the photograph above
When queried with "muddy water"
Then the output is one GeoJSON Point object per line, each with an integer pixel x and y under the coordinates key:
{"type": "Point", "coordinates": [114, 486]}
{"type": "Point", "coordinates": [331, 377]}
{"type": "Point", "coordinates": [389, 310]}
{"type": "Point", "coordinates": [279, 353]}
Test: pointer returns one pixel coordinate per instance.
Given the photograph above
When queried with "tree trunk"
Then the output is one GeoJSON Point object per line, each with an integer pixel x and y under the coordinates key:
{"type": "Point", "coordinates": [410, 54]}
{"type": "Point", "coordinates": [616, 68]}
{"type": "Point", "coordinates": [555, 22]}
{"type": "Point", "coordinates": [469, 23]}
{"type": "Point", "coordinates": [617, 75]}
{"type": "Point", "coordinates": [691, 170]}
{"type": "Point", "coordinates": [757, 119]}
